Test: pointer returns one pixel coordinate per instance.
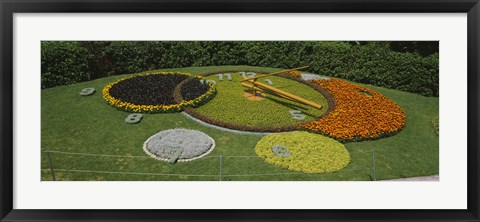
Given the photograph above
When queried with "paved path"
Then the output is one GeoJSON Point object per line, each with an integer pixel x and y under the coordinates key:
{"type": "Point", "coordinates": [426, 178]}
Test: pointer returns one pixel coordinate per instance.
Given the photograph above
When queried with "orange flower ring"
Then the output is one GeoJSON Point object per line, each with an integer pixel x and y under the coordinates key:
{"type": "Point", "coordinates": [359, 113]}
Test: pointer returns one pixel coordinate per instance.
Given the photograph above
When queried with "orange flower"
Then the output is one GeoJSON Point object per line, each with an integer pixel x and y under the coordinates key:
{"type": "Point", "coordinates": [294, 73]}
{"type": "Point", "coordinates": [359, 113]}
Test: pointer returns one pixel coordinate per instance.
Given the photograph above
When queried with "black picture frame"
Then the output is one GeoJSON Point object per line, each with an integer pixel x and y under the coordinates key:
{"type": "Point", "coordinates": [9, 7]}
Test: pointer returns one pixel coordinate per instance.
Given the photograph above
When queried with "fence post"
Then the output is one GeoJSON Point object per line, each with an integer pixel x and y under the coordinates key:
{"type": "Point", "coordinates": [220, 167]}
{"type": "Point", "coordinates": [51, 165]}
{"type": "Point", "coordinates": [374, 166]}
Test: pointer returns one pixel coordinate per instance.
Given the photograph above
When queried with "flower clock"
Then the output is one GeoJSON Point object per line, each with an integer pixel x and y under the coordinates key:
{"type": "Point", "coordinates": [153, 92]}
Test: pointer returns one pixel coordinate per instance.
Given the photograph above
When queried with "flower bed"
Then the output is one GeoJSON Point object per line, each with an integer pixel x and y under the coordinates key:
{"type": "Point", "coordinates": [359, 113]}
{"type": "Point", "coordinates": [294, 73]}
{"type": "Point", "coordinates": [178, 145]}
{"type": "Point", "coordinates": [230, 109]}
{"type": "Point", "coordinates": [303, 152]}
{"type": "Point", "coordinates": [154, 93]}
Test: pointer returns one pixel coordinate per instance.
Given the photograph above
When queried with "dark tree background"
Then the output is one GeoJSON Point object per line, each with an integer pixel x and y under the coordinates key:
{"type": "Point", "coordinates": [403, 65]}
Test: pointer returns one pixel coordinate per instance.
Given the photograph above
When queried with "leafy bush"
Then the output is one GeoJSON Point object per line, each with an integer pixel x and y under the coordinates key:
{"type": "Point", "coordinates": [100, 65]}
{"type": "Point", "coordinates": [373, 63]}
{"type": "Point", "coordinates": [128, 57]}
{"type": "Point", "coordinates": [64, 63]}
{"type": "Point", "coordinates": [305, 152]}
{"type": "Point", "coordinates": [331, 58]}
{"type": "Point", "coordinates": [376, 64]}
{"type": "Point", "coordinates": [424, 48]}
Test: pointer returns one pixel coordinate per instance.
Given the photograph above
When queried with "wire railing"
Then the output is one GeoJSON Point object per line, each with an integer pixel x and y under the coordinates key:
{"type": "Point", "coordinates": [221, 175]}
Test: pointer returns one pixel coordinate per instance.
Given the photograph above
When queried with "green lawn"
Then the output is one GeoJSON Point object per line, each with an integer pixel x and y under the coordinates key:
{"type": "Point", "coordinates": [75, 124]}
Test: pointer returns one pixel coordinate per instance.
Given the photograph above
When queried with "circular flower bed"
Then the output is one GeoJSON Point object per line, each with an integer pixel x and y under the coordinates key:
{"type": "Point", "coordinates": [303, 152]}
{"type": "Point", "coordinates": [178, 145]}
{"type": "Point", "coordinates": [231, 109]}
{"type": "Point", "coordinates": [359, 113]}
{"type": "Point", "coordinates": [154, 92]}
{"type": "Point", "coordinates": [193, 89]}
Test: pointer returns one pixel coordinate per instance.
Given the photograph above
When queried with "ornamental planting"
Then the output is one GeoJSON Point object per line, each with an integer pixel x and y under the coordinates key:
{"type": "Point", "coordinates": [359, 113]}
{"type": "Point", "coordinates": [179, 145]}
{"type": "Point", "coordinates": [303, 152]}
{"type": "Point", "coordinates": [154, 93]}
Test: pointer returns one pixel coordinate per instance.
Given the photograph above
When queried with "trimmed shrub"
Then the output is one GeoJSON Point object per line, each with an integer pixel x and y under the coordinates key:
{"type": "Point", "coordinates": [100, 65]}
{"type": "Point", "coordinates": [64, 63]}
{"type": "Point", "coordinates": [371, 62]}
{"type": "Point", "coordinates": [127, 57]}
{"type": "Point", "coordinates": [331, 58]}
{"type": "Point", "coordinates": [376, 64]}
{"type": "Point", "coordinates": [303, 152]}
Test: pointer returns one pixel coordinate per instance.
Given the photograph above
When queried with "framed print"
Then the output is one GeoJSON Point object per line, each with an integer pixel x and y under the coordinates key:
{"type": "Point", "coordinates": [267, 110]}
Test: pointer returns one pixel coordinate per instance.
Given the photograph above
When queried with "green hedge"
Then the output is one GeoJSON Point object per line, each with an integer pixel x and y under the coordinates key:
{"type": "Point", "coordinates": [373, 63]}
{"type": "Point", "coordinates": [64, 63]}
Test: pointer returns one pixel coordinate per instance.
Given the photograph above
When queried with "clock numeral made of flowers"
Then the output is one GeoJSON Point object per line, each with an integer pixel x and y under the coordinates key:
{"type": "Point", "coordinates": [280, 151]}
{"type": "Point", "coordinates": [297, 114]}
{"type": "Point", "coordinates": [208, 81]}
{"type": "Point", "coordinates": [173, 153]}
{"type": "Point", "coordinates": [87, 91]}
{"type": "Point", "coordinates": [228, 75]}
{"type": "Point", "coordinates": [134, 118]}
{"type": "Point", "coordinates": [269, 81]}
{"type": "Point", "coordinates": [248, 74]}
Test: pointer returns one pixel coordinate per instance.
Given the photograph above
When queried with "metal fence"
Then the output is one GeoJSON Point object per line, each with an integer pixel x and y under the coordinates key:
{"type": "Point", "coordinates": [218, 166]}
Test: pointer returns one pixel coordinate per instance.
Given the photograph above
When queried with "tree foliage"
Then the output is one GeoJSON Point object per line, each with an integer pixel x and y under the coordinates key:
{"type": "Point", "coordinates": [407, 66]}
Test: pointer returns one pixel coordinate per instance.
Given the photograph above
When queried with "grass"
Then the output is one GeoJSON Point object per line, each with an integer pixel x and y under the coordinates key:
{"type": "Point", "coordinates": [436, 124]}
{"type": "Point", "coordinates": [71, 123]}
{"type": "Point", "coordinates": [230, 105]}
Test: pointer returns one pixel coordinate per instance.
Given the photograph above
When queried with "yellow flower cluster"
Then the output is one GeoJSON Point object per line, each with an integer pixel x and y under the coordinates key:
{"type": "Point", "coordinates": [155, 108]}
{"type": "Point", "coordinates": [303, 152]}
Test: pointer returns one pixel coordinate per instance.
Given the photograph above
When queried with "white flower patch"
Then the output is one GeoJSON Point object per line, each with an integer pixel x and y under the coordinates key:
{"type": "Point", "coordinates": [179, 145]}
{"type": "Point", "coordinates": [309, 76]}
